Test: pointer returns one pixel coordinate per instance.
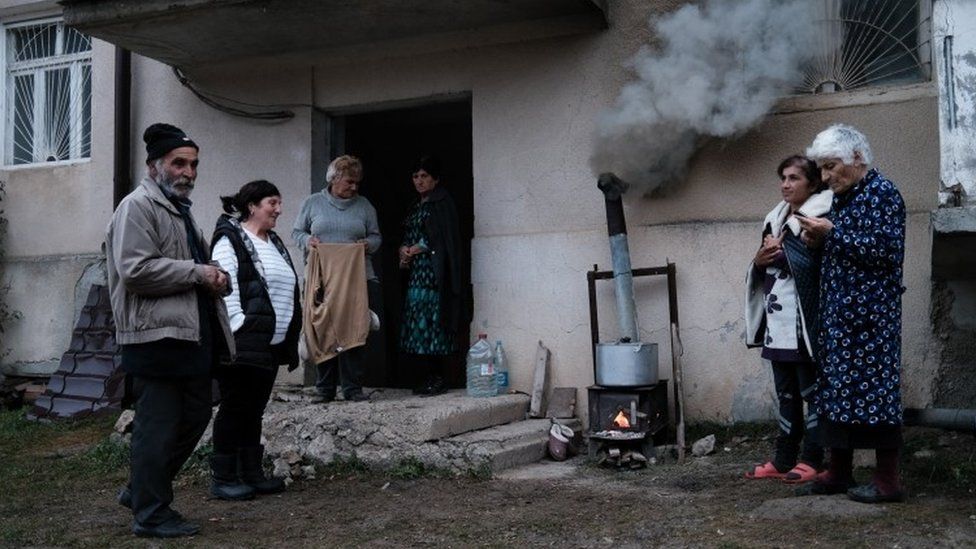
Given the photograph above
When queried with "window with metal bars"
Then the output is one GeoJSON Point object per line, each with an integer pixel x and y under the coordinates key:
{"type": "Point", "coordinates": [863, 43]}
{"type": "Point", "coordinates": [47, 93]}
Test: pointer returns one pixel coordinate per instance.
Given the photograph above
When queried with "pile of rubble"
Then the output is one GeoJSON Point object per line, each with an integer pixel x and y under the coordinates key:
{"type": "Point", "coordinates": [450, 432]}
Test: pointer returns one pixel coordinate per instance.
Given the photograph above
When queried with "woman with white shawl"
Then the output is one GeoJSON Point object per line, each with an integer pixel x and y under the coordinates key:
{"type": "Point", "coordinates": [781, 317]}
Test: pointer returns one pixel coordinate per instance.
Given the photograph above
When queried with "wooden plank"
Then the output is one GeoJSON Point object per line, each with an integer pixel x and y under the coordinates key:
{"type": "Point", "coordinates": [562, 403]}
{"type": "Point", "coordinates": [539, 382]}
{"type": "Point", "coordinates": [679, 392]}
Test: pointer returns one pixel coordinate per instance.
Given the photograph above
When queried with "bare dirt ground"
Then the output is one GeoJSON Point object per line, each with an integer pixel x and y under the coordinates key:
{"type": "Point", "coordinates": [57, 488]}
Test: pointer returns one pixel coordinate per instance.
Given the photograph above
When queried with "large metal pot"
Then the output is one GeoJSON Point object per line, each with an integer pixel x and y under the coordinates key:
{"type": "Point", "coordinates": [626, 364]}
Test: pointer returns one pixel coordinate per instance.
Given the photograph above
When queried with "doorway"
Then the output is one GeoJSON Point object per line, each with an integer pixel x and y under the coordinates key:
{"type": "Point", "coordinates": [388, 142]}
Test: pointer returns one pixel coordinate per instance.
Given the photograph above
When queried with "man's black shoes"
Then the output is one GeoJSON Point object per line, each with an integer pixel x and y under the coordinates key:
{"type": "Point", "coordinates": [175, 527]}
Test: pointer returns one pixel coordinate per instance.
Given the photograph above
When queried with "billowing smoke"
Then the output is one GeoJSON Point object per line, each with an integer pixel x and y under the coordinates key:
{"type": "Point", "coordinates": [720, 67]}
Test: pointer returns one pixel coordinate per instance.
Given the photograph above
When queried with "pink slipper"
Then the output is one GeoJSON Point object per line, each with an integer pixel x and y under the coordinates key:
{"type": "Point", "coordinates": [766, 470]}
{"type": "Point", "coordinates": [799, 474]}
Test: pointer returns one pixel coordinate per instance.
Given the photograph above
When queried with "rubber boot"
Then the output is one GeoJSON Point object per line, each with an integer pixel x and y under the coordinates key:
{"type": "Point", "coordinates": [252, 472]}
{"type": "Point", "coordinates": [224, 482]}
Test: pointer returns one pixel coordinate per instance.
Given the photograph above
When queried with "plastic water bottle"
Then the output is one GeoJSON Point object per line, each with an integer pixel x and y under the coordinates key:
{"type": "Point", "coordinates": [501, 368]}
{"type": "Point", "coordinates": [481, 369]}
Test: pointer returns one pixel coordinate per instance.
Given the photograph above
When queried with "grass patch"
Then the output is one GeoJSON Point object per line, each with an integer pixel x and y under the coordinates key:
{"type": "Point", "coordinates": [108, 456]}
{"type": "Point", "coordinates": [938, 461]}
{"type": "Point", "coordinates": [344, 467]}
{"type": "Point", "coordinates": [412, 468]}
{"type": "Point", "coordinates": [18, 435]}
{"type": "Point", "coordinates": [481, 472]}
{"type": "Point", "coordinates": [198, 464]}
{"type": "Point", "coordinates": [43, 463]}
{"type": "Point", "coordinates": [48, 449]}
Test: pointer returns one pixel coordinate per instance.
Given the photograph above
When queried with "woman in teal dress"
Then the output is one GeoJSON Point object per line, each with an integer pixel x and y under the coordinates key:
{"type": "Point", "coordinates": [431, 252]}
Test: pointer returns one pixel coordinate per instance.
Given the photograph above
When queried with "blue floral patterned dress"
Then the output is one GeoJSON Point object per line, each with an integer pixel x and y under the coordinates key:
{"type": "Point", "coordinates": [422, 332]}
{"type": "Point", "coordinates": [860, 300]}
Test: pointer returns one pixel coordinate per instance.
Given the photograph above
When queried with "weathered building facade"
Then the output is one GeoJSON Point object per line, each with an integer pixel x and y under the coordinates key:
{"type": "Point", "coordinates": [509, 96]}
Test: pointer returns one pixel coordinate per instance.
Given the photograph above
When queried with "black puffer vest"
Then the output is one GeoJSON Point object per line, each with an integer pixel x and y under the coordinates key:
{"type": "Point", "coordinates": [253, 338]}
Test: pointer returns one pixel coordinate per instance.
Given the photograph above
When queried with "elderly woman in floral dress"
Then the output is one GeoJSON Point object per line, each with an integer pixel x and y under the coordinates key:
{"type": "Point", "coordinates": [859, 385]}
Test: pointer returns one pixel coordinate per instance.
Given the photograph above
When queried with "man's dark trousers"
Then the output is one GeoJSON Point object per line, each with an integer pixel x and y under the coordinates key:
{"type": "Point", "coordinates": [171, 415]}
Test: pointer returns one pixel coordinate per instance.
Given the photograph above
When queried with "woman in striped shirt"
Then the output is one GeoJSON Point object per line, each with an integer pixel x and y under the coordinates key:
{"type": "Point", "coordinates": [265, 316]}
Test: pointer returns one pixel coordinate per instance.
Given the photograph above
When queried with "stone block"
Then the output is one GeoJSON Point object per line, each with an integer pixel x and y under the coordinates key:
{"type": "Point", "coordinates": [506, 446]}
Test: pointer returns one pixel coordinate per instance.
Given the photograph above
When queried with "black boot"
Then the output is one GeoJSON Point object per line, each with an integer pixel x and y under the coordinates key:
{"type": "Point", "coordinates": [224, 482]}
{"type": "Point", "coordinates": [252, 472]}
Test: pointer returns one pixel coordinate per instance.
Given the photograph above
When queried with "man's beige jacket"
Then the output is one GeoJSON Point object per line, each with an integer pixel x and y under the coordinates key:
{"type": "Point", "coordinates": [152, 277]}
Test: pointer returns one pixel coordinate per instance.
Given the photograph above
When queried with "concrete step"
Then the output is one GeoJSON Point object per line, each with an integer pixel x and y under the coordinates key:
{"type": "Point", "coordinates": [505, 446]}
{"type": "Point", "coordinates": [408, 416]}
{"type": "Point", "coordinates": [450, 431]}
{"type": "Point", "coordinates": [454, 413]}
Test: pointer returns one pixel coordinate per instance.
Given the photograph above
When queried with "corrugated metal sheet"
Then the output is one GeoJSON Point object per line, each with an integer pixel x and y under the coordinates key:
{"type": "Point", "coordinates": [89, 379]}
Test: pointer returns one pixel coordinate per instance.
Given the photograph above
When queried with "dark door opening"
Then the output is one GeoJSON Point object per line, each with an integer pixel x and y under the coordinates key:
{"type": "Point", "coordinates": [388, 142]}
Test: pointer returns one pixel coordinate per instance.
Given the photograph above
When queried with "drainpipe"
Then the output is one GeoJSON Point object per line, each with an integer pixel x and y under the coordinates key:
{"type": "Point", "coordinates": [942, 418]}
{"type": "Point", "coordinates": [122, 178]}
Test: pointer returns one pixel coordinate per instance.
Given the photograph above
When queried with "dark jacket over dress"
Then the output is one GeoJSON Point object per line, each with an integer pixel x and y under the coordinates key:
{"type": "Point", "coordinates": [860, 300]}
{"type": "Point", "coordinates": [444, 233]}
{"type": "Point", "coordinates": [253, 338]}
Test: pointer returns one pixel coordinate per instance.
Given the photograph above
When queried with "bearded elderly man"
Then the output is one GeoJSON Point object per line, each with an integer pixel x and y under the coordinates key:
{"type": "Point", "coordinates": [170, 323]}
{"type": "Point", "coordinates": [859, 383]}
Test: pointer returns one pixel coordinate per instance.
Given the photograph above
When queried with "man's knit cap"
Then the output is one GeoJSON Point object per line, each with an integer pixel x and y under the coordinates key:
{"type": "Point", "coordinates": [162, 138]}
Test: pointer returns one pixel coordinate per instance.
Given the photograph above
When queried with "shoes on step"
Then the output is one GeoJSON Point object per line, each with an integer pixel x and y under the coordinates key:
{"type": "Point", "coordinates": [175, 527]}
{"type": "Point", "coordinates": [870, 493]}
{"type": "Point", "coordinates": [323, 397]}
{"type": "Point", "coordinates": [374, 321]}
{"type": "Point", "coordinates": [356, 396]}
{"type": "Point", "coordinates": [436, 387]}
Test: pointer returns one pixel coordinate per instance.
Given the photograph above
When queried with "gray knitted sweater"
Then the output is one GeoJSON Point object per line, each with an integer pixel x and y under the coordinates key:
{"type": "Point", "coordinates": [338, 221]}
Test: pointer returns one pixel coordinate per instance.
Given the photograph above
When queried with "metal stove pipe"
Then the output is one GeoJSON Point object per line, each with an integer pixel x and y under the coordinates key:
{"type": "Point", "coordinates": [613, 189]}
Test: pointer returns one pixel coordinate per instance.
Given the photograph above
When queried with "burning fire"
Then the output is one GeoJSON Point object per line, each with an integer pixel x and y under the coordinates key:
{"type": "Point", "coordinates": [621, 421]}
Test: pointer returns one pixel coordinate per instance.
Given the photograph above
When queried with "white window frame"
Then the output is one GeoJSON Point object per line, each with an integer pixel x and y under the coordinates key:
{"type": "Point", "coordinates": [74, 63]}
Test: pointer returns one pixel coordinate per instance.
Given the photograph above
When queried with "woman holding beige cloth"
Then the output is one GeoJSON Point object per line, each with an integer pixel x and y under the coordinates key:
{"type": "Point", "coordinates": [339, 231]}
